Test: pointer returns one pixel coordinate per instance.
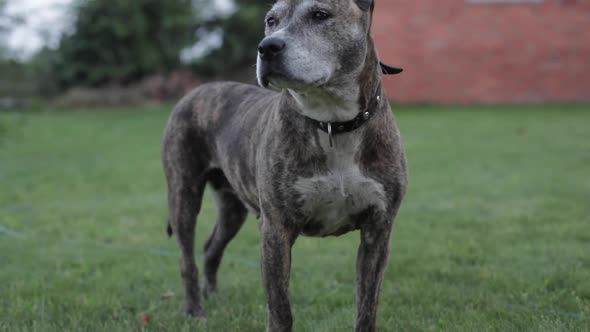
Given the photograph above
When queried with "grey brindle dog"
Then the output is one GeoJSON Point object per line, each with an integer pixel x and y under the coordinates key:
{"type": "Point", "coordinates": [316, 153]}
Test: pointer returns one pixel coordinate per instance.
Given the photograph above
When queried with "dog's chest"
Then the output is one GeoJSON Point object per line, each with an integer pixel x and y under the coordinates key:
{"type": "Point", "coordinates": [330, 200]}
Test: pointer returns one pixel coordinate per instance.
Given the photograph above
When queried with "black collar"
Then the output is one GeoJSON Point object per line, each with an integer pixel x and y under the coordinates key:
{"type": "Point", "coordinates": [335, 128]}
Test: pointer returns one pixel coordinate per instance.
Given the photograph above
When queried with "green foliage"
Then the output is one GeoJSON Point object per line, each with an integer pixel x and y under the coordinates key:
{"type": "Point", "coordinates": [492, 236]}
{"type": "Point", "coordinates": [4, 26]}
{"type": "Point", "coordinates": [16, 77]}
{"type": "Point", "coordinates": [3, 22]}
{"type": "Point", "coordinates": [242, 31]}
{"type": "Point", "coordinates": [15, 80]}
{"type": "Point", "coordinates": [124, 40]}
{"type": "Point", "coordinates": [43, 67]}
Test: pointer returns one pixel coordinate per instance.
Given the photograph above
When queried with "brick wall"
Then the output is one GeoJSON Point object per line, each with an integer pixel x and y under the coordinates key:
{"type": "Point", "coordinates": [459, 52]}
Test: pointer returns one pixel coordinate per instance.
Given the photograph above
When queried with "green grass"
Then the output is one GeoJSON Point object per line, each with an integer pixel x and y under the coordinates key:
{"type": "Point", "coordinates": [494, 234]}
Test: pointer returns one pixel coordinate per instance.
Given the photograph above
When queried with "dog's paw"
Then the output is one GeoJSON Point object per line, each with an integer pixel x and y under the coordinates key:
{"type": "Point", "coordinates": [197, 313]}
{"type": "Point", "coordinates": [209, 288]}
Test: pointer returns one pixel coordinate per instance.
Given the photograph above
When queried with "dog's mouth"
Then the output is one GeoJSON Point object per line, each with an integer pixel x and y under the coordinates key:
{"type": "Point", "coordinates": [271, 75]}
{"type": "Point", "coordinates": [273, 80]}
{"type": "Point", "coordinates": [275, 75]}
{"type": "Point", "coordinates": [278, 81]}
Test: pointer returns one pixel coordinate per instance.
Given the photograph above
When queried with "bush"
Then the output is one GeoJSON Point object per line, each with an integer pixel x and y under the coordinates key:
{"type": "Point", "coordinates": [122, 41]}
{"type": "Point", "coordinates": [242, 31]}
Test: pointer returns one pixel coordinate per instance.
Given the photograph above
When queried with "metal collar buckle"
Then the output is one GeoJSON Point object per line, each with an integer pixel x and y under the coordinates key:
{"type": "Point", "coordinates": [335, 128]}
{"type": "Point", "coordinates": [330, 136]}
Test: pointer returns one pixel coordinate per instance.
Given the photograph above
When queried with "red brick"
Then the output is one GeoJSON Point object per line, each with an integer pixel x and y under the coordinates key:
{"type": "Point", "coordinates": [457, 52]}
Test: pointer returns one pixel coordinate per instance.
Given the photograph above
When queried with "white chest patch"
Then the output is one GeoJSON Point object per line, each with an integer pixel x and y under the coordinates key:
{"type": "Point", "coordinates": [330, 199]}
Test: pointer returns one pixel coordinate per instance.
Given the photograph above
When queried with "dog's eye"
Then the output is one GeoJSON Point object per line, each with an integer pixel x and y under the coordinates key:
{"type": "Point", "coordinates": [320, 15]}
{"type": "Point", "coordinates": [270, 22]}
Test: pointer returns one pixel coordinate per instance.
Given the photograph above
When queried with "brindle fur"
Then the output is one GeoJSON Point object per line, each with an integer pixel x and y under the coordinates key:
{"type": "Point", "coordinates": [252, 145]}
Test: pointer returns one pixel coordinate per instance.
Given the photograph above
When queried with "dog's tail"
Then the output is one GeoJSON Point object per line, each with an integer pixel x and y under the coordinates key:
{"type": "Point", "coordinates": [169, 229]}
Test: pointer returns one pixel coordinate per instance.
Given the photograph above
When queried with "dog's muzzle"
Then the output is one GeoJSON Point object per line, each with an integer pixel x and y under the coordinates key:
{"type": "Point", "coordinates": [270, 64]}
{"type": "Point", "coordinates": [270, 47]}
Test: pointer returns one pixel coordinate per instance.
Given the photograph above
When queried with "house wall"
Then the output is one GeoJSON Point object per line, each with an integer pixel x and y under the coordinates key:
{"type": "Point", "coordinates": [454, 51]}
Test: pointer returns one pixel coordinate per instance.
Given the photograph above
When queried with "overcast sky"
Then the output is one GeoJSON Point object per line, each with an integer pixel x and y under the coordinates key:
{"type": "Point", "coordinates": [45, 20]}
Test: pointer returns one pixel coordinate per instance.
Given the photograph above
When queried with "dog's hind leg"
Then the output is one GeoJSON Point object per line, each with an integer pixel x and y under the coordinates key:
{"type": "Point", "coordinates": [230, 217]}
{"type": "Point", "coordinates": [185, 170]}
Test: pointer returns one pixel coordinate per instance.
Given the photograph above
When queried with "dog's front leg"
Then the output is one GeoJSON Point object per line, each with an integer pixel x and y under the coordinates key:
{"type": "Point", "coordinates": [277, 240]}
{"type": "Point", "coordinates": [371, 262]}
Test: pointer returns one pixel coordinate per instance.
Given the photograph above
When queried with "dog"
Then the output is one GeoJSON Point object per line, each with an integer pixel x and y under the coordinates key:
{"type": "Point", "coordinates": [314, 152]}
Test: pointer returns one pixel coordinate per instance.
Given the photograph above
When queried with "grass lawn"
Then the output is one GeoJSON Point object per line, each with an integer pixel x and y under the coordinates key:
{"type": "Point", "coordinates": [494, 234]}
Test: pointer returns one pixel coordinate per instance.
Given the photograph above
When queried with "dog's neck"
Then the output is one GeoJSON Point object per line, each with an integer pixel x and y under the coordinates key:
{"type": "Point", "coordinates": [344, 100]}
{"type": "Point", "coordinates": [369, 80]}
{"type": "Point", "coordinates": [328, 105]}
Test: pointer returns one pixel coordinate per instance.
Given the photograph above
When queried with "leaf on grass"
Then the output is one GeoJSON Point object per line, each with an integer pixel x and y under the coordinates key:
{"type": "Point", "coordinates": [146, 318]}
{"type": "Point", "coordinates": [167, 295]}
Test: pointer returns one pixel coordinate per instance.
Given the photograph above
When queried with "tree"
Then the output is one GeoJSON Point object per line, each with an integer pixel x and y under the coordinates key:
{"type": "Point", "coordinates": [122, 41]}
{"type": "Point", "coordinates": [242, 31]}
{"type": "Point", "coordinates": [4, 27]}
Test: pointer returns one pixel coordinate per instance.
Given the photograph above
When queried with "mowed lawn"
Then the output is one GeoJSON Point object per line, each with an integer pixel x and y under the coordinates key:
{"type": "Point", "coordinates": [494, 234]}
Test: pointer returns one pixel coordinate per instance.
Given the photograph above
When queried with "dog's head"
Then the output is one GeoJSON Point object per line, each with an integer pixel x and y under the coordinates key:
{"type": "Point", "coordinates": [313, 44]}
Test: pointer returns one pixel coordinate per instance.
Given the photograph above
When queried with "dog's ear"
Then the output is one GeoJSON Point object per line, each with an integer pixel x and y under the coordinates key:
{"type": "Point", "coordinates": [365, 4]}
{"type": "Point", "coordinates": [389, 70]}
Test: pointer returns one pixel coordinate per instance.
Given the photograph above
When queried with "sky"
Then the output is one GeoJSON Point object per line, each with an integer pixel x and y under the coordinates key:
{"type": "Point", "coordinates": [46, 20]}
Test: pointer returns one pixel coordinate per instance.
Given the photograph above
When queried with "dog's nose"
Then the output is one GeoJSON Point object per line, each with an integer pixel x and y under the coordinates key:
{"type": "Point", "coordinates": [270, 47]}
